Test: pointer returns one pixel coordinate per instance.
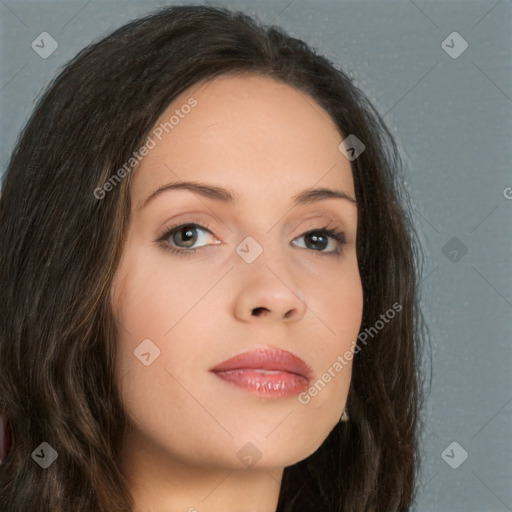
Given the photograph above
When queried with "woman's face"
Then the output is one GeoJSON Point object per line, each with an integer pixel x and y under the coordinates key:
{"type": "Point", "coordinates": [250, 277]}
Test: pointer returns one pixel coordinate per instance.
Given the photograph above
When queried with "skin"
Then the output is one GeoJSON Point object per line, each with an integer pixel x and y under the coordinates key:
{"type": "Point", "coordinates": [267, 142]}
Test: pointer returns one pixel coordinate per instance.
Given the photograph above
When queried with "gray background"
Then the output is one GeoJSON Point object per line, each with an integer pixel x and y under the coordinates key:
{"type": "Point", "coordinates": [452, 120]}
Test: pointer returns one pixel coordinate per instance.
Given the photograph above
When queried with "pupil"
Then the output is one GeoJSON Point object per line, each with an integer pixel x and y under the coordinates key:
{"type": "Point", "coordinates": [316, 238]}
{"type": "Point", "coordinates": [188, 234]}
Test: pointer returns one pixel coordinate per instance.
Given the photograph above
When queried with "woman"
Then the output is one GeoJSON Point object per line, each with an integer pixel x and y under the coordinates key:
{"type": "Point", "coordinates": [208, 282]}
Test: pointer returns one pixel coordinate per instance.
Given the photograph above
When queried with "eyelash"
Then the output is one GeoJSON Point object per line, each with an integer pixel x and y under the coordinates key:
{"type": "Point", "coordinates": [163, 235]}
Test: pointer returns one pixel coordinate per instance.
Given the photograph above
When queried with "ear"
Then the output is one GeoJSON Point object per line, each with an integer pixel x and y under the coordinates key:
{"type": "Point", "coordinates": [6, 435]}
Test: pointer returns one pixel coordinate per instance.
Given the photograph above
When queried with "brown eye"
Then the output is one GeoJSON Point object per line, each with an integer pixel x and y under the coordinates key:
{"type": "Point", "coordinates": [180, 239]}
{"type": "Point", "coordinates": [185, 235]}
{"type": "Point", "coordinates": [318, 240]}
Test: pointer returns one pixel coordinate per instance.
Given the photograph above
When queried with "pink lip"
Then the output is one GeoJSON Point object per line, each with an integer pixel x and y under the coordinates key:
{"type": "Point", "coordinates": [290, 374]}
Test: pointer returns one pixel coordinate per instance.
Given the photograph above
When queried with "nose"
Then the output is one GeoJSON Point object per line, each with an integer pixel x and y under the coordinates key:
{"type": "Point", "coordinates": [270, 294]}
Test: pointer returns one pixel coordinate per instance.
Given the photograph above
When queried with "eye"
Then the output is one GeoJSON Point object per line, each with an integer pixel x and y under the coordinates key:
{"type": "Point", "coordinates": [181, 234]}
{"type": "Point", "coordinates": [321, 236]}
{"type": "Point", "coordinates": [185, 235]}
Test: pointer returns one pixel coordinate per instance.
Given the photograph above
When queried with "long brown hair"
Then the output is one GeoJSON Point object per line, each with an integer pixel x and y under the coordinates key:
{"type": "Point", "coordinates": [60, 246]}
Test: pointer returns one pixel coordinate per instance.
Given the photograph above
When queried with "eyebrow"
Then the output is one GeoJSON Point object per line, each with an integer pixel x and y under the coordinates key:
{"type": "Point", "coordinates": [308, 196]}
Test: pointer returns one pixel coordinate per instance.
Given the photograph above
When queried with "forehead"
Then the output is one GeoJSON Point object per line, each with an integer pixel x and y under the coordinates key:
{"type": "Point", "coordinates": [249, 133]}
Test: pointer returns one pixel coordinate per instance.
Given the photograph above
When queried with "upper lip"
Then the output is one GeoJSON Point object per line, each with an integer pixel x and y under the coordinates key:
{"type": "Point", "coordinates": [266, 359]}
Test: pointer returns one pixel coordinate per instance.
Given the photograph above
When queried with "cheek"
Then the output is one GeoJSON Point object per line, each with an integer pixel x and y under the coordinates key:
{"type": "Point", "coordinates": [158, 311]}
{"type": "Point", "coordinates": [337, 302]}
{"type": "Point", "coordinates": [151, 360]}
{"type": "Point", "coordinates": [153, 296]}
{"type": "Point", "coordinates": [338, 308]}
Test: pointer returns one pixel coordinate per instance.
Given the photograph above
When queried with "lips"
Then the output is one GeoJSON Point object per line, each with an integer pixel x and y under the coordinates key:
{"type": "Point", "coordinates": [270, 360]}
{"type": "Point", "coordinates": [267, 372]}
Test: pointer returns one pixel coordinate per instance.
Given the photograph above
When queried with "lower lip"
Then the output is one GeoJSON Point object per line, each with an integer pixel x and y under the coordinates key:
{"type": "Point", "coordinates": [278, 384]}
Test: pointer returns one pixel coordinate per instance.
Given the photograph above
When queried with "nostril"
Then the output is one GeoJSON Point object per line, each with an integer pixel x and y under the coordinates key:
{"type": "Point", "coordinates": [258, 311]}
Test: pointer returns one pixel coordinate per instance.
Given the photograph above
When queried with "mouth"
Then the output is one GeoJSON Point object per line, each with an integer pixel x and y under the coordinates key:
{"type": "Point", "coordinates": [270, 373]}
